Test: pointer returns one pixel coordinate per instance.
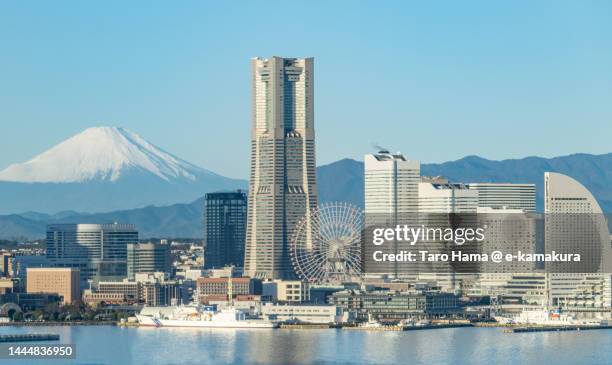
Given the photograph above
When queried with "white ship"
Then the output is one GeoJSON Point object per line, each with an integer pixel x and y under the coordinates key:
{"type": "Point", "coordinates": [199, 316]}
{"type": "Point", "coordinates": [546, 317]}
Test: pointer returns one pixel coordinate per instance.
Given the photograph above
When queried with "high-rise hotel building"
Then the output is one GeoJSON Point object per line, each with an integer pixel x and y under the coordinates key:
{"type": "Point", "coordinates": [282, 186]}
{"type": "Point", "coordinates": [575, 223]}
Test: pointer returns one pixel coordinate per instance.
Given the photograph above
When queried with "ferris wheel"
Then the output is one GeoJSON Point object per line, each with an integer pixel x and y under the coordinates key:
{"type": "Point", "coordinates": [326, 245]}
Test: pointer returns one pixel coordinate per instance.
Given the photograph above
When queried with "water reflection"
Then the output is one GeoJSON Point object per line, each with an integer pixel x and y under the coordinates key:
{"type": "Point", "coordinates": [115, 345]}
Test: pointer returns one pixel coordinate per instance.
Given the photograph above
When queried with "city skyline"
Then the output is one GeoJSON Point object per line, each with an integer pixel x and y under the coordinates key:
{"type": "Point", "coordinates": [453, 75]}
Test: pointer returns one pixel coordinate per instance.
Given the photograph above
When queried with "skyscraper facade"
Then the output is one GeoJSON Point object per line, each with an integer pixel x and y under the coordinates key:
{"type": "Point", "coordinates": [99, 251]}
{"type": "Point", "coordinates": [224, 229]}
{"type": "Point", "coordinates": [282, 186]}
{"type": "Point", "coordinates": [148, 258]}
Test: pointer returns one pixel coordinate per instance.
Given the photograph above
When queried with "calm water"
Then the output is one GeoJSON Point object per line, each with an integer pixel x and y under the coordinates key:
{"type": "Point", "coordinates": [116, 345]}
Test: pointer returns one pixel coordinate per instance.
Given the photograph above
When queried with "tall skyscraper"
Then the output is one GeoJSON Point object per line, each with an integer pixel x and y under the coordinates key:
{"type": "Point", "coordinates": [282, 186]}
{"type": "Point", "coordinates": [511, 196]}
{"type": "Point", "coordinates": [99, 251]}
{"type": "Point", "coordinates": [224, 229]}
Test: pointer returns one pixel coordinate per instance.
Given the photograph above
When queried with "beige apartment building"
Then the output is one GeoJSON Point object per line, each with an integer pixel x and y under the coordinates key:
{"type": "Point", "coordinates": [62, 281]}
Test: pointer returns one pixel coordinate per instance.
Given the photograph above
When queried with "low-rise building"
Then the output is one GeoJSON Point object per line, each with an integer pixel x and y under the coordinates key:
{"type": "Point", "coordinates": [286, 291]}
{"type": "Point", "coordinates": [62, 281]}
{"type": "Point", "coordinates": [149, 289]}
{"type": "Point", "coordinates": [392, 306]}
{"type": "Point", "coordinates": [322, 314]}
{"type": "Point", "coordinates": [220, 286]}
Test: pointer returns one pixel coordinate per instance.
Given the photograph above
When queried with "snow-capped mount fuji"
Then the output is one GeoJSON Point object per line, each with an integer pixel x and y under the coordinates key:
{"type": "Point", "coordinates": [100, 153]}
{"type": "Point", "coordinates": [101, 169]}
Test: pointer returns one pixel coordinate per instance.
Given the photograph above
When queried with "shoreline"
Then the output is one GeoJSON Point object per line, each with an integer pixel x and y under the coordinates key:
{"type": "Point", "coordinates": [58, 323]}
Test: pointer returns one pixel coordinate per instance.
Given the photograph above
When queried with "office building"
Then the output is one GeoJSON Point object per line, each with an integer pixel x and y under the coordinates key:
{"type": "Point", "coordinates": [391, 184]}
{"type": "Point", "coordinates": [511, 196]}
{"type": "Point", "coordinates": [148, 258]}
{"type": "Point", "coordinates": [64, 282]}
{"type": "Point", "coordinates": [282, 188]}
{"type": "Point", "coordinates": [224, 229]}
{"type": "Point", "coordinates": [99, 251]}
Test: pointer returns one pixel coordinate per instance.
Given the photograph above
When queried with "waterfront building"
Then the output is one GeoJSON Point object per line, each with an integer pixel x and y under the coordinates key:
{"type": "Point", "coordinates": [574, 222]}
{"type": "Point", "coordinates": [286, 291]}
{"type": "Point", "coordinates": [224, 228]}
{"type": "Point", "coordinates": [221, 287]}
{"type": "Point", "coordinates": [111, 291]}
{"type": "Point", "coordinates": [99, 251]}
{"type": "Point", "coordinates": [516, 289]}
{"type": "Point", "coordinates": [393, 306]}
{"type": "Point", "coordinates": [148, 258]}
{"type": "Point", "coordinates": [64, 282]}
{"type": "Point", "coordinates": [149, 289]}
{"type": "Point", "coordinates": [314, 314]}
{"type": "Point", "coordinates": [282, 184]}
{"type": "Point", "coordinates": [320, 294]}
{"type": "Point", "coordinates": [29, 301]}
{"type": "Point", "coordinates": [511, 196]}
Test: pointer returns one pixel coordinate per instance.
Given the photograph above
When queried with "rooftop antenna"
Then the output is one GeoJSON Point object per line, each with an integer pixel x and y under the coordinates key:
{"type": "Point", "coordinates": [380, 148]}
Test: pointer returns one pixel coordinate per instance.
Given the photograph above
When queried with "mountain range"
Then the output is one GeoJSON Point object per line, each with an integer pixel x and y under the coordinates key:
{"type": "Point", "coordinates": [113, 170]}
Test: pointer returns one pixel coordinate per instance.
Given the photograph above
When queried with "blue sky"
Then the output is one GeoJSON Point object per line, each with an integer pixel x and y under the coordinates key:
{"type": "Point", "coordinates": [435, 80]}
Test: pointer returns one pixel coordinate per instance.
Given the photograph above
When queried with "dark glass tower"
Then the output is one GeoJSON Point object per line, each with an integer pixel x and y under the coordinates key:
{"type": "Point", "coordinates": [224, 228]}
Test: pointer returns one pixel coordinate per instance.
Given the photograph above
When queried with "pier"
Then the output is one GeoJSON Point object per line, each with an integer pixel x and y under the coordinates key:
{"type": "Point", "coordinates": [555, 329]}
{"type": "Point", "coordinates": [28, 337]}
